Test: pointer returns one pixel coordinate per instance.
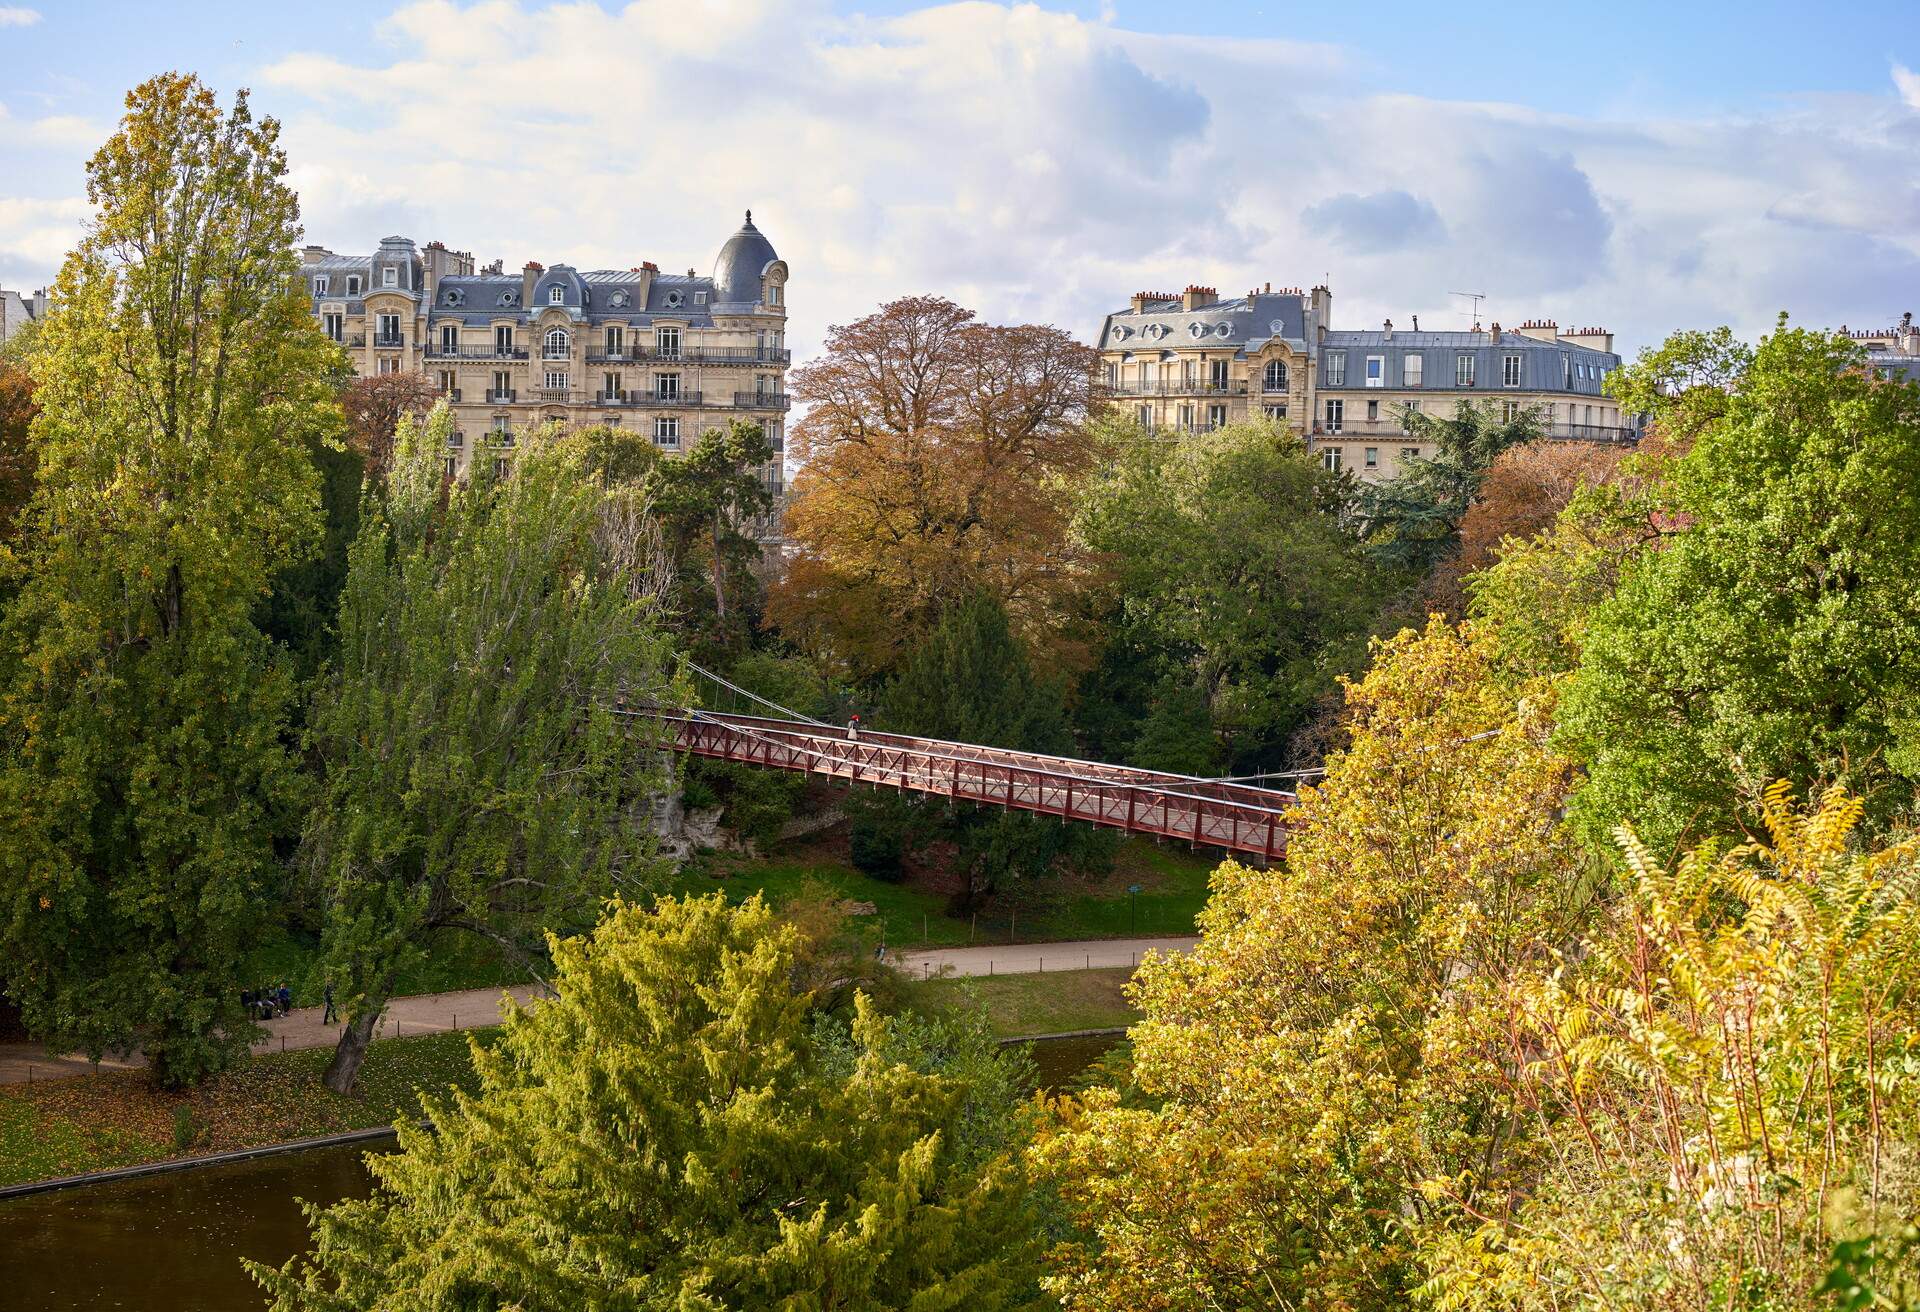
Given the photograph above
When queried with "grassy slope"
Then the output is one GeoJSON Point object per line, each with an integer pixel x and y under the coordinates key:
{"type": "Point", "coordinates": [95, 1122]}
{"type": "Point", "coordinates": [454, 961]}
{"type": "Point", "coordinates": [1174, 880]}
{"type": "Point", "coordinates": [1035, 1004]}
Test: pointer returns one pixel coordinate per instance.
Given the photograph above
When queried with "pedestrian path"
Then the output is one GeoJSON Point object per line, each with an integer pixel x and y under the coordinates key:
{"type": "Point", "coordinates": [424, 1013]}
{"type": "Point", "coordinates": [1037, 958]}
{"type": "Point", "coordinates": [437, 1013]}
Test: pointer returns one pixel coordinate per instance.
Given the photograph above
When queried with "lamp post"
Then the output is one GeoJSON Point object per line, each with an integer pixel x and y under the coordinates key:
{"type": "Point", "coordinates": [1133, 919]}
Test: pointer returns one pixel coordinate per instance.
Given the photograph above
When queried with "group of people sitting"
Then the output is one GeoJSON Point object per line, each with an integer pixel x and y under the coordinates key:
{"type": "Point", "coordinates": [265, 1004]}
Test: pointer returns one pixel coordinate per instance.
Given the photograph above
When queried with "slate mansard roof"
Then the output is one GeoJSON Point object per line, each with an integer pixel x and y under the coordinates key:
{"type": "Point", "coordinates": [1544, 366]}
{"type": "Point", "coordinates": [1246, 323]}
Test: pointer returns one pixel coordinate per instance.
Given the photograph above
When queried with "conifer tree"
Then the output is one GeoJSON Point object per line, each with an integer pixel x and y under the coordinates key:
{"type": "Point", "coordinates": [144, 767]}
{"type": "Point", "coordinates": [670, 1132]}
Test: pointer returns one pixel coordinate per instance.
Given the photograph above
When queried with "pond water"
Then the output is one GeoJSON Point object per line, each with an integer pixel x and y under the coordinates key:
{"type": "Point", "coordinates": [174, 1242]}
{"type": "Point", "coordinates": [169, 1243]}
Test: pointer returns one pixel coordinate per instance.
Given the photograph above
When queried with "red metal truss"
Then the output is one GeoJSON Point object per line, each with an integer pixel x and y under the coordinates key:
{"type": "Point", "coordinates": [1233, 816]}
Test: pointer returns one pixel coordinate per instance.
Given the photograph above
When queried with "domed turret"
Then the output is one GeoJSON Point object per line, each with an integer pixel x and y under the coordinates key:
{"type": "Point", "coordinates": [745, 257]}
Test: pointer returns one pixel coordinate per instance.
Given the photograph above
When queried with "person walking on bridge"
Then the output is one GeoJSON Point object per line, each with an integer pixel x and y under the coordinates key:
{"type": "Point", "coordinates": [853, 727]}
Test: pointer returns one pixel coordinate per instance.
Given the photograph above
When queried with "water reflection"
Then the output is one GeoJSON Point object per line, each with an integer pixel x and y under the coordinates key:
{"type": "Point", "coordinates": [168, 1243]}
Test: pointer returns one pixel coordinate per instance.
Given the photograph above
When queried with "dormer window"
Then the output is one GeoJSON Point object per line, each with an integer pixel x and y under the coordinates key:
{"type": "Point", "coordinates": [773, 294]}
{"type": "Point", "coordinates": [353, 284]}
{"type": "Point", "coordinates": [389, 276]}
{"type": "Point", "coordinates": [320, 285]}
{"type": "Point", "coordinates": [556, 296]}
{"type": "Point", "coordinates": [455, 296]}
{"type": "Point", "coordinates": [506, 298]}
{"type": "Point", "coordinates": [699, 298]}
{"type": "Point", "coordinates": [673, 300]}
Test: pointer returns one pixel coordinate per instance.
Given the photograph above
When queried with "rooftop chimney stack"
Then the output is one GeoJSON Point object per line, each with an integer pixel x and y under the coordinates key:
{"type": "Point", "coordinates": [528, 277]}
{"type": "Point", "coordinates": [1496, 330]}
{"type": "Point", "coordinates": [1387, 330]}
{"type": "Point", "coordinates": [1198, 298]}
{"type": "Point", "coordinates": [1416, 323]}
{"type": "Point", "coordinates": [313, 254]}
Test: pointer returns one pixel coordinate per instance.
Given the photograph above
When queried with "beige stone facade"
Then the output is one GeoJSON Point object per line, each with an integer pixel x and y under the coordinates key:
{"type": "Point", "coordinates": [1192, 362]}
{"type": "Point", "coordinates": [668, 355]}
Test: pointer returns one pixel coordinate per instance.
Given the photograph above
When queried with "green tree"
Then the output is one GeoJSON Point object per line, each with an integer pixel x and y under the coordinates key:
{"type": "Point", "coordinates": [478, 777]}
{"type": "Point", "coordinates": [971, 681]}
{"type": "Point", "coordinates": [1412, 521]}
{"type": "Point", "coordinates": [1231, 573]}
{"type": "Point", "coordinates": [670, 1133]}
{"type": "Point", "coordinates": [1769, 633]}
{"type": "Point", "coordinates": [144, 767]}
{"type": "Point", "coordinates": [16, 452]}
{"type": "Point", "coordinates": [706, 498]}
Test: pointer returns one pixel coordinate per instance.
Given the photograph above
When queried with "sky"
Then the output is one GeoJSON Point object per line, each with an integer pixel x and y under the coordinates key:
{"type": "Point", "coordinates": [1638, 167]}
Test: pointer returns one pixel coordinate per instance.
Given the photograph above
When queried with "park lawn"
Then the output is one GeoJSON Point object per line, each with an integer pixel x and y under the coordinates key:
{"type": "Point", "coordinates": [1035, 1004]}
{"type": "Point", "coordinates": [119, 1118]}
{"type": "Point", "coordinates": [1173, 880]}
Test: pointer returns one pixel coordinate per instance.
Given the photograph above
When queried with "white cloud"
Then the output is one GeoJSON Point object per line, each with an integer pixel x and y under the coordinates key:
{"type": "Point", "coordinates": [1037, 165]}
{"type": "Point", "coordinates": [1908, 83]}
{"type": "Point", "coordinates": [17, 16]}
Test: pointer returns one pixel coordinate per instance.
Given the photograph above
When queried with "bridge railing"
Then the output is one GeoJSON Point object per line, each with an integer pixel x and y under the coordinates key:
{"type": "Point", "coordinates": [1237, 817]}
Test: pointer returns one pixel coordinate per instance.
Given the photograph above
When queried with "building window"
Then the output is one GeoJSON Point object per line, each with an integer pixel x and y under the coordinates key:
{"type": "Point", "coordinates": [1336, 411]}
{"type": "Point", "coordinates": [610, 388]}
{"type": "Point", "coordinates": [1376, 371]}
{"type": "Point", "coordinates": [501, 425]}
{"type": "Point", "coordinates": [389, 276]}
{"type": "Point", "coordinates": [666, 342]}
{"type": "Point", "coordinates": [450, 467]}
{"type": "Point", "coordinates": [333, 325]}
{"type": "Point", "coordinates": [1336, 368]}
{"type": "Point", "coordinates": [1186, 417]}
{"type": "Point", "coordinates": [777, 434]}
{"type": "Point", "coordinates": [1217, 374]}
{"type": "Point", "coordinates": [388, 331]}
{"type": "Point", "coordinates": [666, 387]}
{"type": "Point", "coordinates": [447, 381]}
{"type": "Point", "coordinates": [1216, 416]}
{"type": "Point", "coordinates": [387, 364]}
{"type": "Point", "coordinates": [1277, 412]}
{"type": "Point", "coordinates": [666, 431]}
{"type": "Point", "coordinates": [616, 341]}
{"type": "Point", "coordinates": [1411, 368]}
{"type": "Point", "coordinates": [1408, 412]}
{"type": "Point", "coordinates": [1373, 412]}
{"type": "Point", "coordinates": [1409, 453]}
{"type": "Point", "coordinates": [1510, 371]}
{"type": "Point", "coordinates": [1330, 459]}
{"type": "Point", "coordinates": [502, 386]}
{"type": "Point", "coordinates": [773, 294]}
{"type": "Point", "coordinates": [1463, 370]}
{"type": "Point", "coordinates": [1566, 370]}
{"type": "Point", "coordinates": [556, 380]}
{"type": "Point", "coordinates": [1146, 417]}
{"type": "Point", "coordinates": [700, 298]}
{"type": "Point", "coordinates": [320, 285]}
{"type": "Point", "coordinates": [556, 295]}
{"type": "Point", "coordinates": [1372, 458]}
{"type": "Point", "coordinates": [1275, 377]}
{"type": "Point", "coordinates": [503, 339]}
{"type": "Point", "coordinates": [450, 338]}
{"type": "Point", "coordinates": [1509, 411]}
{"type": "Point", "coordinates": [456, 440]}
{"type": "Point", "coordinates": [353, 284]}
{"type": "Point", "coordinates": [556, 345]}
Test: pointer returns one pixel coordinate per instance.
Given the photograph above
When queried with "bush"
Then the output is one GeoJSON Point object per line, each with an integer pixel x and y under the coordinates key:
{"type": "Point", "coordinates": [186, 1128]}
{"type": "Point", "coordinates": [877, 835]}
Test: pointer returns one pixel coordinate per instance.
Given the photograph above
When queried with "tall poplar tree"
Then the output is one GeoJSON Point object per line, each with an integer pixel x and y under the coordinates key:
{"type": "Point", "coordinates": [144, 768]}
{"type": "Point", "coordinates": [478, 775]}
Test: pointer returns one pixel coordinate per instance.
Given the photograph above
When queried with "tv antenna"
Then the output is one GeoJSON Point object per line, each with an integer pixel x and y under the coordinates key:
{"type": "Point", "coordinates": [1476, 298]}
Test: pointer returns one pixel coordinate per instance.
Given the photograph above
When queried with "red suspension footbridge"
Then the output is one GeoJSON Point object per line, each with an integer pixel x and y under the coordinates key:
{"type": "Point", "coordinates": [1223, 813]}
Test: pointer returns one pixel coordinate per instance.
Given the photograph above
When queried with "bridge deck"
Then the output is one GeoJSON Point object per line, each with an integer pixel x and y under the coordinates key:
{"type": "Point", "coordinates": [1233, 816]}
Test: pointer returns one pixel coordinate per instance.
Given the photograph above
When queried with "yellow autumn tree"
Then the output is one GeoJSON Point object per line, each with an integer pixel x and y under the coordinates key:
{"type": "Point", "coordinates": [1727, 1078]}
{"type": "Point", "coordinates": [1342, 1035]}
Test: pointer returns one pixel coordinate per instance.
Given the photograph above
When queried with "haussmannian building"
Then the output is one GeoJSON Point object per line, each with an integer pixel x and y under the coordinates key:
{"type": "Point", "coordinates": [1193, 362]}
{"type": "Point", "coordinates": [670, 355]}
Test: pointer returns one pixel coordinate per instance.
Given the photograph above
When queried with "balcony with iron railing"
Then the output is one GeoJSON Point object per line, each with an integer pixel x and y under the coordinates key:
{"type": "Point", "coordinates": [507, 397]}
{"type": "Point", "coordinates": [354, 342]}
{"type": "Point", "coordinates": [746, 356]}
{"type": "Point", "coordinates": [389, 340]}
{"type": "Point", "coordinates": [762, 401]}
{"type": "Point", "coordinates": [1179, 387]}
{"type": "Point", "coordinates": [490, 351]}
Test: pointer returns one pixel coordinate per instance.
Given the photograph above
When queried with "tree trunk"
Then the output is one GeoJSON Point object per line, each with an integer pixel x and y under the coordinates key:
{"type": "Point", "coordinates": [344, 1069]}
{"type": "Point", "coordinates": [719, 574]}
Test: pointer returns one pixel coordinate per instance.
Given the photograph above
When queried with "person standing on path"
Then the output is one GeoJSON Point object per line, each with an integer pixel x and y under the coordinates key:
{"type": "Point", "coordinates": [330, 1018]}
